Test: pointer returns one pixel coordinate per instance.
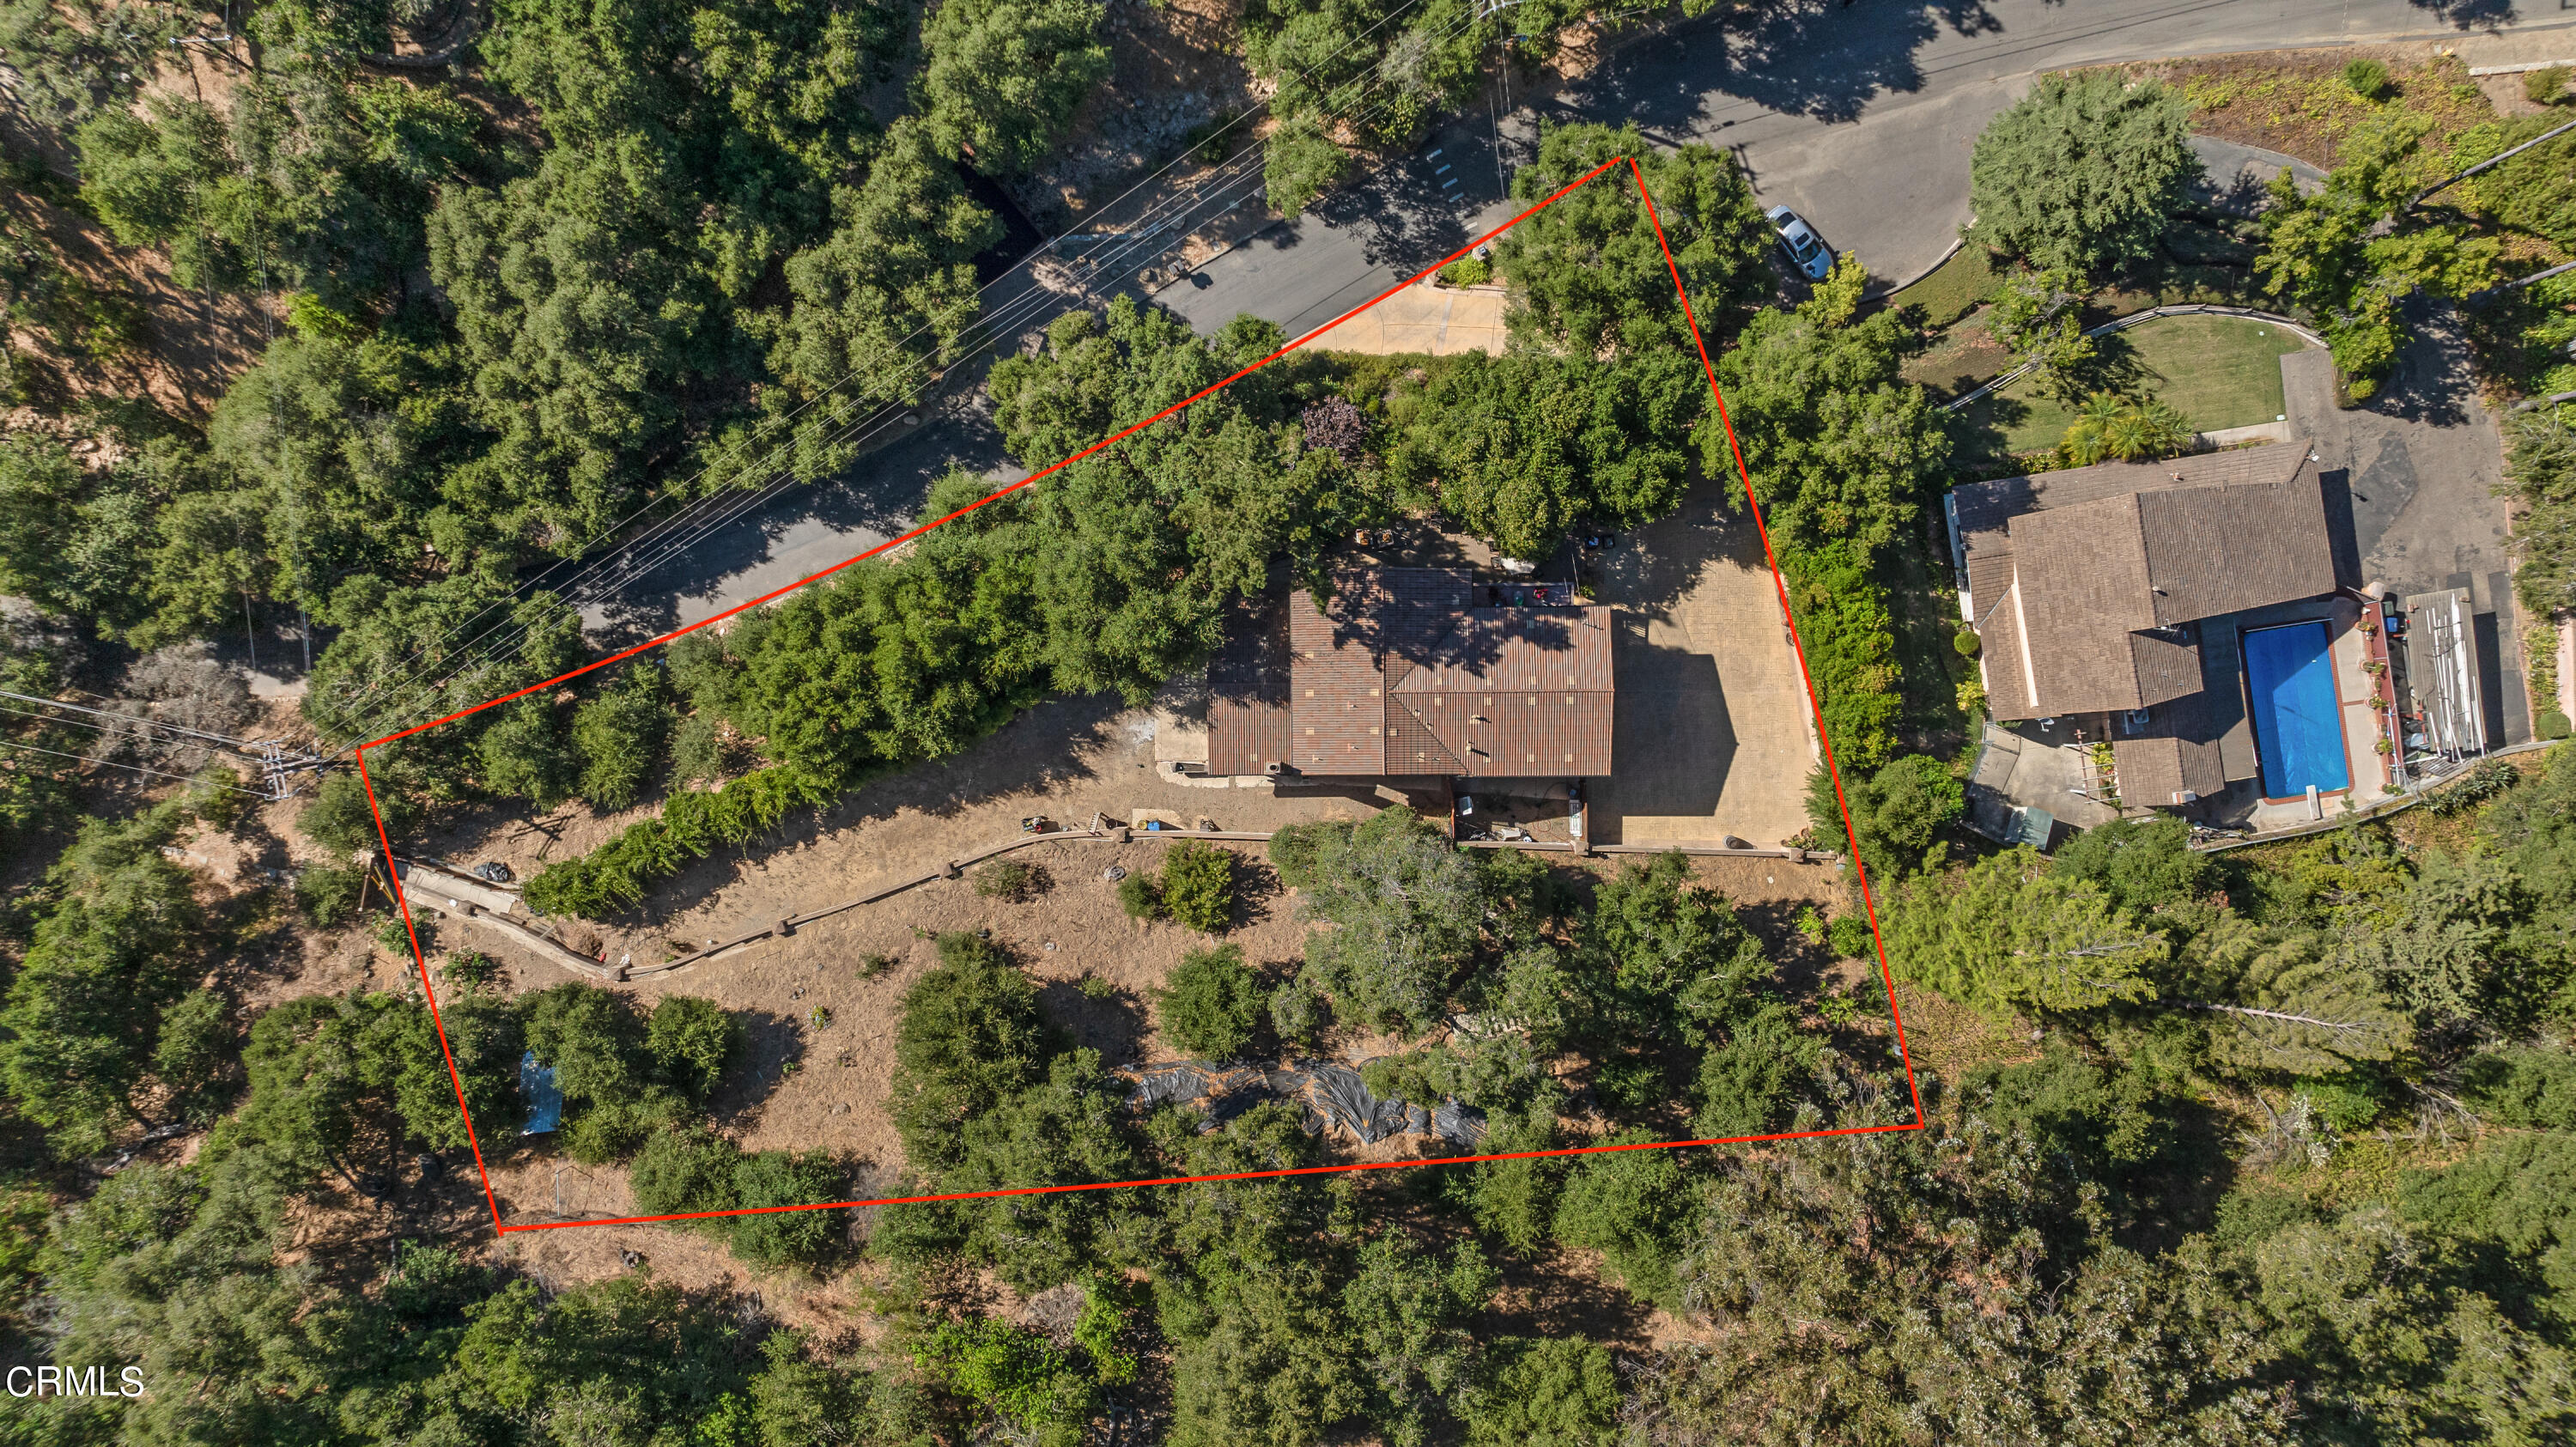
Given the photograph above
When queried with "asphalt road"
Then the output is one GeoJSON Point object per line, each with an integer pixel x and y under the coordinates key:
{"type": "Point", "coordinates": [1859, 115]}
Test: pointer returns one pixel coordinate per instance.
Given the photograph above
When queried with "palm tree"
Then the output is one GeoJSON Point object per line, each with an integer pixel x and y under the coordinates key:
{"type": "Point", "coordinates": [2130, 429]}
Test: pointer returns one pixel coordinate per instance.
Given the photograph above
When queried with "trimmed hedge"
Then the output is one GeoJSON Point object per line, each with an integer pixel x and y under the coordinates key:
{"type": "Point", "coordinates": [1849, 639]}
{"type": "Point", "coordinates": [616, 874]}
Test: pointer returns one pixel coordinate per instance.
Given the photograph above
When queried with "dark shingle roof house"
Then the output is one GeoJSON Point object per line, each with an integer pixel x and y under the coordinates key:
{"type": "Point", "coordinates": [1418, 672]}
{"type": "Point", "coordinates": [2086, 586]}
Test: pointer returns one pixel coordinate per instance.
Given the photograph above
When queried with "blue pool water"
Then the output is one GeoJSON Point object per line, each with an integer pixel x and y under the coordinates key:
{"type": "Point", "coordinates": [2289, 678]}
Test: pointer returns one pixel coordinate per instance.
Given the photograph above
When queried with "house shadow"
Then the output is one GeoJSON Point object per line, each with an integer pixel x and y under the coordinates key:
{"type": "Point", "coordinates": [2336, 486]}
{"type": "Point", "coordinates": [1672, 735]}
{"type": "Point", "coordinates": [1652, 568]}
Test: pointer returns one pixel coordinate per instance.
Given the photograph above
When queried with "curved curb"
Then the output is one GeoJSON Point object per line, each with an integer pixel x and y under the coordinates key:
{"type": "Point", "coordinates": [1955, 243]}
{"type": "Point", "coordinates": [2134, 319]}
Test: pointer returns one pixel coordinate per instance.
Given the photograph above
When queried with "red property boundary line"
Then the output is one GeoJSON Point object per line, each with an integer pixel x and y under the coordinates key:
{"type": "Point", "coordinates": [1886, 976]}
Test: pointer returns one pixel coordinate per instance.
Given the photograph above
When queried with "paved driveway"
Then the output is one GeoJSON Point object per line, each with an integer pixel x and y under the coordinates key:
{"type": "Point", "coordinates": [2422, 462]}
{"type": "Point", "coordinates": [1712, 734]}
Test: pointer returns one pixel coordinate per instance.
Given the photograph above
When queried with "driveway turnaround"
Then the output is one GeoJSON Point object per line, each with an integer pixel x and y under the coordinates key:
{"type": "Point", "coordinates": [2422, 461]}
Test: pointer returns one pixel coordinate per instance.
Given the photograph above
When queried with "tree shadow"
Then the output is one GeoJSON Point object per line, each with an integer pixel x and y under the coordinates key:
{"type": "Point", "coordinates": [2117, 368]}
{"type": "Point", "coordinates": [1113, 1024]}
{"type": "Point", "coordinates": [2178, 1193]}
{"type": "Point", "coordinates": [1815, 58]}
{"type": "Point", "coordinates": [1259, 897]}
{"type": "Point", "coordinates": [2471, 14]}
{"type": "Point", "coordinates": [1405, 217]}
{"type": "Point", "coordinates": [1775, 923]}
{"type": "Point", "coordinates": [773, 1047]}
{"type": "Point", "coordinates": [2433, 381]}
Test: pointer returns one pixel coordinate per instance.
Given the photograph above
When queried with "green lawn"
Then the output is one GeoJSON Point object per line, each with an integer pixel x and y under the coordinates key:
{"type": "Point", "coordinates": [2219, 372]}
{"type": "Point", "coordinates": [1955, 288]}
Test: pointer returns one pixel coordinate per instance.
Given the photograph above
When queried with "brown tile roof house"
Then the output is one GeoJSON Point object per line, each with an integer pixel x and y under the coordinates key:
{"type": "Point", "coordinates": [2084, 587]}
{"type": "Point", "coordinates": [1400, 673]}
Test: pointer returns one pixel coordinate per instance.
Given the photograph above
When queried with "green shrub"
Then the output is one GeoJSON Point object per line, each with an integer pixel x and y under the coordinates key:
{"type": "Point", "coordinates": [615, 876]}
{"type": "Point", "coordinates": [619, 737]}
{"type": "Point", "coordinates": [2142, 864]}
{"type": "Point", "coordinates": [1632, 1084]}
{"type": "Point", "coordinates": [527, 752]}
{"type": "Point", "coordinates": [2349, 1100]}
{"type": "Point", "coordinates": [690, 1041]}
{"type": "Point", "coordinates": [1017, 1374]}
{"type": "Point", "coordinates": [684, 1170]}
{"type": "Point", "coordinates": [1295, 850]}
{"type": "Point", "coordinates": [624, 1078]}
{"type": "Point", "coordinates": [394, 935]}
{"type": "Point", "coordinates": [1009, 879]}
{"type": "Point", "coordinates": [1141, 895]}
{"type": "Point", "coordinates": [328, 896]}
{"type": "Point", "coordinates": [199, 1056]}
{"type": "Point", "coordinates": [1467, 271]}
{"type": "Point", "coordinates": [2367, 79]}
{"type": "Point", "coordinates": [2535, 1089]}
{"type": "Point", "coordinates": [1631, 1206]}
{"type": "Point", "coordinates": [970, 1037]}
{"type": "Point", "coordinates": [1966, 642]}
{"type": "Point", "coordinates": [787, 1238]}
{"type": "Point", "coordinates": [2486, 780]}
{"type": "Point", "coordinates": [1746, 1084]}
{"type": "Point", "coordinates": [1198, 885]}
{"type": "Point", "coordinates": [1849, 936]}
{"type": "Point", "coordinates": [216, 796]}
{"type": "Point", "coordinates": [2546, 86]}
{"type": "Point", "coordinates": [470, 969]}
{"type": "Point", "coordinates": [1901, 813]}
{"type": "Point", "coordinates": [607, 1131]}
{"type": "Point", "coordinates": [1811, 925]}
{"type": "Point", "coordinates": [1301, 164]}
{"type": "Point", "coordinates": [2551, 725]}
{"type": "Point", "coordinates": [1548, 1392]}
{"type": "Point", "coordinates": [338, 818]}
{"type": "Point", "coordinates": [1299, 1012]}
{"type": "Point", "coordinates": [1849, 638]}
{"type": "Point", "coordinates": [1211, 1003]}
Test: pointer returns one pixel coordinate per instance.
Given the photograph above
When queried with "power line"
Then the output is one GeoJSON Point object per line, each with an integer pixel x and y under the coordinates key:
{"type": "Point", "coordinates": [142, 720]}
{"type": "Point", "coordinates": [1054, 245]}
{"type": "Point", "coordinates": [114, 764]}
{"type": "Point", "coordinates": [1028, 303]}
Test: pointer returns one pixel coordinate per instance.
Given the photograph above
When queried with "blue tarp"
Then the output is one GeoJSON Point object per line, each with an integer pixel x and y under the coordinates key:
{"type": "Point", "coordinates": [537, 1088]}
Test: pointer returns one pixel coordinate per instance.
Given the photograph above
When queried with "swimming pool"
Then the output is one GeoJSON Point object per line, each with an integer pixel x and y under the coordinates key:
{"type": "Point", "coordinates": [2289, 680]}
